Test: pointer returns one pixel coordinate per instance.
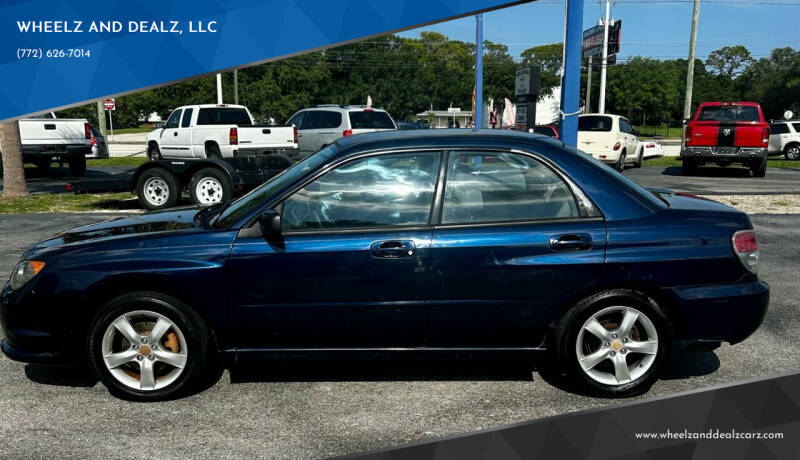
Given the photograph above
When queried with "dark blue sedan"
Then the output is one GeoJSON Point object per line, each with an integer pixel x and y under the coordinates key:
{"type": "Point", "coordinates": [422, 243]}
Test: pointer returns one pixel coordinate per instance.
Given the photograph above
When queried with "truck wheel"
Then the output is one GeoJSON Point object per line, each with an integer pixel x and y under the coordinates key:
{"type": "Point", "coordinates": [792, 152]}
{"type": "Point", "coordinates": [213, 152]}
{"type": "Point", "coordinates": [688, 167]}
{"type": "Point", "coordinates": [157, 189]}
{"type": "Point", "coordinates": [77, 165]}
{"type": "Point", "coordinates": [209, 186]}
{"type": "Point", "coordinates": [153, 153]}
{"type": "Point", "coordinates": [759, 168]}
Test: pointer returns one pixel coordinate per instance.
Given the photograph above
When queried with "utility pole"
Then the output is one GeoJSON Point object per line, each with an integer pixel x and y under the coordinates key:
{"type": "Point", "coordinates": [101, 118]}
{"type": "Point", "coordinates": [478, 121]}
{"type": "Point", "coordinates": [687, 103]}
{"type": "Point", "coordinates": [588, 105]}
{"type": "Point", "coordinates": [236, 86]}
{"type": "Point", "coordinates": [219, 89]}
{"type": "Point", "coordinates": [604, 65]}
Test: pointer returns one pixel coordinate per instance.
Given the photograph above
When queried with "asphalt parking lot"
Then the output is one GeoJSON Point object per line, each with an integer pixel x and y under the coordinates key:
{"type": "Point", "coordinates": [318, 410]}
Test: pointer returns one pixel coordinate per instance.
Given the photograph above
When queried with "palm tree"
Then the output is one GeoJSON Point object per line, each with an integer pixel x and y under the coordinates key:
{"type": "Point", "coordinates": [11, 163]}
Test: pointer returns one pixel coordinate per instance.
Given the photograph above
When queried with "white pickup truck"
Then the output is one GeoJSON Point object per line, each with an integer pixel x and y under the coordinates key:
{"type": "Point", "coordinates": [218, 131]}
{"type": "Point", "coordinates": [46, 139]}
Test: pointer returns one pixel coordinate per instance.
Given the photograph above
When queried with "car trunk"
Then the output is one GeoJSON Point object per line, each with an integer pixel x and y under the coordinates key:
{"type": "Point", "coordinates": [594, 142]}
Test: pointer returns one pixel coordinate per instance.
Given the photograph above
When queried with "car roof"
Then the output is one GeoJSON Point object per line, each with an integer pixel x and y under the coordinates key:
{"type": "Point", "coordinates": [342, 108]}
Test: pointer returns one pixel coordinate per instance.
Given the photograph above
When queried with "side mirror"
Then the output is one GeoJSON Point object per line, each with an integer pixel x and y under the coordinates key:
{"type": "Point", "coordinates": [160, 125]}
{"type": "Point", "coordinates": [270, 223]}
{"type": "Point", "coordinates": [686, 120]}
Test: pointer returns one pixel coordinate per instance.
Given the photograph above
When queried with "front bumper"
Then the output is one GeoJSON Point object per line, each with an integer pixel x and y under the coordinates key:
{"type": "Point", "coordinates": [722, 313]}
{"type": "Point", "coordinates": [724, 154]}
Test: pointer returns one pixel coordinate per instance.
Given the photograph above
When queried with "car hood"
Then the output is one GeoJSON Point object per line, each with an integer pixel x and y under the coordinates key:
{"type": "Point", "coordinates": [172, 220]}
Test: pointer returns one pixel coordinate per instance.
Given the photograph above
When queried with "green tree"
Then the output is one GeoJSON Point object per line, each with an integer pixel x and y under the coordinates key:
{"type": "Point", "coordinates": [729, 61]}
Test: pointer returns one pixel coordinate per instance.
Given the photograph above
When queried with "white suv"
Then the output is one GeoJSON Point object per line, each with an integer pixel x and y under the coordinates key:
{"type": "Point", "coordinates": [321, 125]}
{"type": "Point", "coordinates": [784, 137]}
{"type": "Point", "coordinates": [609, 138]}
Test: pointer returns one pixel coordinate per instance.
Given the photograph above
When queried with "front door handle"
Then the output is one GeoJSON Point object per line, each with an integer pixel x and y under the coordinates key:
{"type": "Point", "coordinates": [393, 249]}
{"type": "Point", "coordinates": [571, 242]}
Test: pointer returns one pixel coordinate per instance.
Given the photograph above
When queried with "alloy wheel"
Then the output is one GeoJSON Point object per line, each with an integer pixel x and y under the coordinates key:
{"type": "Point", "coordinates": [793, 152]}
{"type": "Point", "coordinates": [617, 345]}
{"type": "Point", "coordinates": [144, 350]}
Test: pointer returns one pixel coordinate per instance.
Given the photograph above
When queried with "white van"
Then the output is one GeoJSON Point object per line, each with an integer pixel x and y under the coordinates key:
{"type": "Point", "coordinates": [609, 138]}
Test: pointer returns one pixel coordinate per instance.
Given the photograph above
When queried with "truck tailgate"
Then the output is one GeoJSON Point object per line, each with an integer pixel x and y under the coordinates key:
{"type": "Point", "coordinates": [266, 137]}
{"type": "Point", "coordinates": [52, 131]}
{"type": "Point", "coordinates": [722, 134]}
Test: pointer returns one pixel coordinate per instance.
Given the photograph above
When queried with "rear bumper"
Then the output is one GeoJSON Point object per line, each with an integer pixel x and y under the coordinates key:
{"type": "Point", "coordinates": [724, 154]}
{"type": "Point", "coordinates": [38, 152]}
{"type": "Point", "coordinates": [722, 313]}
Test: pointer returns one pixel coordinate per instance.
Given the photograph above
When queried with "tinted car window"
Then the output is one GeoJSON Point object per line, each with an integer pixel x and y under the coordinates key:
{"type": "Point", "coordinates": [312, 120]}
{"type": "Point", "coordinates": [330, 119]}
{"type": "Point", "coordinates": [495, 187]}
{"type": "Point", "coordinates": [371, 120]}
{"type": "Point", "coordinates": [594, 123]}
{"type": "Point", "coordinates": [296, 120]}
{"type": "Point", "coordinates": [796, 127]}
{"type": "Point", "coordinates": [546, 130]}
{"type": "Point", "coordinates": [378, 191]}
{"type": "Point", "coordinates": [779, 128]}
{"type": "Point", "coordinates": [187, 118]}
{"type": "Point", "coordinates": [729, 113]}
{"type": "Point", "coordinates": [625, 126]}
{"type": "Point", "coordinates": [223, 116]}
{"type": "Point", "coordinates": [172, 121]}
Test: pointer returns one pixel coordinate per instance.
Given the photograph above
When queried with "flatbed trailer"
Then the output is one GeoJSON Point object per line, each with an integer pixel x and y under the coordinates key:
{"type": "Point", "coordinates": [160, 184]}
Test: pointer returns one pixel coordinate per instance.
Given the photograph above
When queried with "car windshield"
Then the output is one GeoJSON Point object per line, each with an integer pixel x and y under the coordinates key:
{"type": "Point", "coordinates": [371, 120]}
{"type": "Point", "coordinates": [223, 116]}
{"type": "Point", "coordinates": [594, 123]}
{"type": "Point", "coordinates": [260, 195]}
{"type": "Point", "coordinates": [729, 113]}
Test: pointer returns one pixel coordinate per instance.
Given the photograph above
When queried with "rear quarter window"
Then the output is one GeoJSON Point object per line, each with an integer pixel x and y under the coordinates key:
{"type": "Point", "coordinates": [779, 128]}
{"type": "Point", "coordinates": [371, 120]}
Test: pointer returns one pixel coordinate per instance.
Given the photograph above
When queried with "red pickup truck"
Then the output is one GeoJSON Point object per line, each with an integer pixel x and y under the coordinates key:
{"type": "Point", "coordinates": [726, 133]}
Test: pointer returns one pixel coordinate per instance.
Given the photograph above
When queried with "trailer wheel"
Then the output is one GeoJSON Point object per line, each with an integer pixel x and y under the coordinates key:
{"type": "Point", "coordinates": [77, 165]}
{"type": "Point", "coordinates": [157, 189]}
{"type": "Point", "coordinates": [209, 186]}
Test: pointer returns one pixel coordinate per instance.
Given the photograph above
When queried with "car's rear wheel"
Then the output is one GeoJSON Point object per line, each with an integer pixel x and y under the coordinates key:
{"type": "Point", "coordinates": [792, 152]}
{"type": "Point", "coordinates": [613, 343]}
{"type": "Point", "coordinates": [44, 165]}
{"type": "Point", "coordinates": [638, 163]}
{"type": "Point", "coordinates": [620, 166]}
{"type": "Point", "coordinates": [77, 165]}
{"type": "Point", "coordinates": [209, 186]}
{"type": "Point", "coordinates": [147, 347]}
{"type": "Point", "coordinates": [688, 167]}
{"type": "Point", "coordinates": [759, 168]}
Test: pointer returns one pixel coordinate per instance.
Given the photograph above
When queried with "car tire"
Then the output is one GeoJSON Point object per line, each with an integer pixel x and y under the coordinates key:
{"type": "Point", "coordinates": [638, 162]}
{"type": "Point", "coordinates": [598, 369]}
{"type": "Point", "coordinates": [77, 165]}
{"type": "Point", "coordinates": [132, 365]}
{"type": "Point", "coordinates": [792, 152]}
{"type": "Point", "coordinates": [44, 165]}
{"type": "Point", "coordinates": [157, 189]}
{"type": "Point", "coordinates": [209, 186]}
{"type": "Point", "coordinates": [154, 153]}
{"type": "Point", "coordinates": [620, 166]}
{"type": "Point", "coordinates": [688, 167]}
{"type": "Point", "coordinates": [212, 151]}
{"type": "Point", "coordinates": [759, 168]}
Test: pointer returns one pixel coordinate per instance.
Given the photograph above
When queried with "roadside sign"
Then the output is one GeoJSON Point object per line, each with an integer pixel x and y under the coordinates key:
{"type": "Point", "coordinates": [593, 39]}
{"type": "Point", "coordinates": [110, 104]}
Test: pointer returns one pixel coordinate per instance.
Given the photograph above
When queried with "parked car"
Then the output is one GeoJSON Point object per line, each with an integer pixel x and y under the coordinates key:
{"type": "Point", "coordinates": [726, 133]}
{"type": "Point", "coordinates": [46, 139]}
{"type": "Point", "coordinates": [99, 145]}
{"type": "Point", "coordinates": [547, 130]}
{"type": "Point", "coordinates": [650, 149]}
{"type": "Point", "coordinates": [218, 131]}
{"type": "Point", "coordinates": [321, 125]}
{"type": "Point", "coordinates": [426, 243]}
{"type": "Point", "coordinates": [610, 139]}
{"type": "Point", "coordinates": [784, 137]}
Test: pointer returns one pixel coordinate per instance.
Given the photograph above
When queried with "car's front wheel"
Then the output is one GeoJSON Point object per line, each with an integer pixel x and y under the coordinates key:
{"type": "Point", "coordinates": [613, 343]}
{"type": "Point", "coordinates": [146, 346]}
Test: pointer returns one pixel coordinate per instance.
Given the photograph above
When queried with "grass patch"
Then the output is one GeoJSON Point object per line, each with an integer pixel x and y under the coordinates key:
{"type": "Point", "coordinates": [117, 161]}
{"type": "Point", "coordinates": [674, 132]}
{"type": "Point", "coordinates": [774, 162]}
{"type": "Point", "coordinates": [64, 202]}
{"type": "Point", "coordinates": [140, 129]}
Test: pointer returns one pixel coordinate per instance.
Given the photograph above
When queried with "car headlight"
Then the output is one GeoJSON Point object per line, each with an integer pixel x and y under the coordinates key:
{"type": "Point", "coordinates": [24, 272]}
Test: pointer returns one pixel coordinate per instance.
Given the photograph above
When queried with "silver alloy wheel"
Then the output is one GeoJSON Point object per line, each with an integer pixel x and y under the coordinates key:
{"type": "Point", "coordinates": [208, 190]}
{"type": "Point", "coordinates": [793, 152]}
{"type": "Point", "coordinates": [617, 345]}
{"type": "Point", "coordinates": [144, 350]}
{"type": "Point", "coordinates": [156, 191]}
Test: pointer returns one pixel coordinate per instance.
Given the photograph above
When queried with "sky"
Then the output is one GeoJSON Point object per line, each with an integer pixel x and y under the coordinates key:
{"type": "Point", "coordinates": [651, 28]}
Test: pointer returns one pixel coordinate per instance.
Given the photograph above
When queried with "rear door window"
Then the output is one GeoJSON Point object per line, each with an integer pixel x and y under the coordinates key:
{"type": "Point", "coordinates": [330, 119]}
{"type": "Point", "coordinates": [370, 120]}
{"type": "Point", "coordinates": [594, 123]}
{"type": "Point", "coordinates": [187, 118]}
{"type": "Point", "coordinates": [625, 126]}
{"type": "Point", "coordinates": [796, 127]}
{"type": "Point", "coordinates": [296, 120]}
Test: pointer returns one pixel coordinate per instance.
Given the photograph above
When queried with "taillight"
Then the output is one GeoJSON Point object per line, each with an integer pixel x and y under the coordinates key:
{"type": "Point", "coordinates": [688, 134]}
{"type": "Point", "coordinates": [295, 134]}
{"type": "Point", "coordinates": [347, 132]}
{"type": "Point", "coordinates": [746, 247]}
{"type": "Point", "coordinates": [87, 130]}
{"type": "Point", "coordinates": [233, 137]}
{"type": "Point", "coordinates": [617, 146]}
{"type": "Point", "coordinates": [765, 136]}
{"type": "Point", "coordinates": [94, 141]}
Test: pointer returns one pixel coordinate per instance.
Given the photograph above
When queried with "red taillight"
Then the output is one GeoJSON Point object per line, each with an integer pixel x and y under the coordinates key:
{"type": "Point", "coordinates": [233, 137]}
{"type": "Point", "coordinates": [87, 130]}
{"type": "Point", "coordinates": [688, 134]}
{"type": "Point", "coordinates": [347, 132]}
{"type": "Point", "coordinates": [295, 134]}
{"type": "Point", "coordinates": [765, 136]}
{"type": "Point", "coordinates": [650, 146]}
{"type": "Point", "coordinates": [617, 146]}
{"type": "Point", "coordinates": [94, 141]}
{"type": "Point", "coordinates": [746, 247]}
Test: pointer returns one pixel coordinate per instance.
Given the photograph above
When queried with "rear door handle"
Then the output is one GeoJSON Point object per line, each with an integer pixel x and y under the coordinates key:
{"type": "Point", "coordinates": [393, 249]}
{"type": "Point", "coordinates": [571, 242]}
{"type": "Point", "coordinates": [175, 133]}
